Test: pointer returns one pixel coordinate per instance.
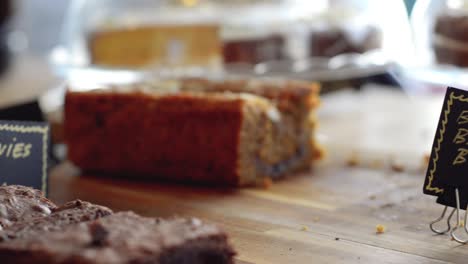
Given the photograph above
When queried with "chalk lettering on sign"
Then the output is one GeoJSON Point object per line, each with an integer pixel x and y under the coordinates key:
{"type": "Point", "coordinates": [24, 153]}
{"type": "Point", "coordinates": [27, 150]}
{"type": "Point", "coordinates": [460, 159]}
{"type": "Point", "coordinates": [15, 150]}
{"type": "Point", "coordinates": [461, 135]}
{"type": "Point", "coordinates": [460, 138]}
{"type": "Point", "coordinates": [463, 118]}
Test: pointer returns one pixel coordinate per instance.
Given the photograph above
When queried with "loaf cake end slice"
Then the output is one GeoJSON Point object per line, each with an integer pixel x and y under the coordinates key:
{"type": "Point", "coordinates": [233, 133]}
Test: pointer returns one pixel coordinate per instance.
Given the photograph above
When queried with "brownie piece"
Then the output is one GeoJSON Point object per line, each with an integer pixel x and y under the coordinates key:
{"type": "Point", "coordinates": [70, 213]}
{"type": "Point", "coordinates": [450, 41]}
{"type": "Point", "coordinates": [21, 203]}
{"type": "Point", "coordinates": [123, 238]}
{"type": "Point", "coordinates": [230, 132]}
{"type": "Point", "coordinates": [334, 41]}
{"type": "Point", "coordinates": [254, 50]}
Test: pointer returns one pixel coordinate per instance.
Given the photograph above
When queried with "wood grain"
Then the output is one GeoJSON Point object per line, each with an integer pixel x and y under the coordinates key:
{"type": "Point", "coordinates": [326, 216]}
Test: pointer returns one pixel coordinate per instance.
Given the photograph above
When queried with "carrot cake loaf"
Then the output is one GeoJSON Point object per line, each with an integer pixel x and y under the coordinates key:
{"type": "Point", "coordinates": [230, 132]}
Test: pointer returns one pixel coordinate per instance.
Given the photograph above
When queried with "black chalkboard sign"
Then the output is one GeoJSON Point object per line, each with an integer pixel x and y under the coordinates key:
{"type": "Point", "coordinates": [29, 111]}
{"type": "Point", "coordinates": [448, 197]}
{"type": "Point", "coordinates": [448, 164]}
{"type": "Point", "coordinates": [24, 153]}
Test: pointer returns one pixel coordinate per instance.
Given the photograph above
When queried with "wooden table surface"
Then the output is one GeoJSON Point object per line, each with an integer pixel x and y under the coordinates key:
{"type": "Point", "coordinates": [327, 215]}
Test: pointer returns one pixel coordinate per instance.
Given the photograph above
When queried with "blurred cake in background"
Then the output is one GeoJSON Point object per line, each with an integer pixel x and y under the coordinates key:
{"type": "Point", "coordinates": [251, 37]}
{"type": "Point", "coordinates": [173, 33]}
{"type": "Point", "coordinates": [440, 34]}
{"type": "Point", "coordinates": [450, 39]}
{"type": "Point", "coordinates": [345, 27]}
{"type": "Point", "coordinates": [332, 41]}
{"type": "Point", "coordinates": [168, 44]}
{"type": "Point", "coordinates": [253, 48]}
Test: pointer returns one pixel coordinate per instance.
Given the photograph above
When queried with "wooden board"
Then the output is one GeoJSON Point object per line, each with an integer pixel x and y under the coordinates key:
{"type": "Point", "coordinates": [327, 215]}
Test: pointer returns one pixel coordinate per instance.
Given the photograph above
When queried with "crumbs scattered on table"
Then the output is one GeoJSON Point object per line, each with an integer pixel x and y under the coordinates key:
{"type": "Point", "coordinates": [304, 228]}
{"type": "Point", "coordinates": [337, 238]}
{"type": "Point", "coordinates": [380, 229]}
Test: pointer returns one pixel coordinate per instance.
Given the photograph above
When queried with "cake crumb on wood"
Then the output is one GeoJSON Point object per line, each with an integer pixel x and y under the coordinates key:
{"type": "Point", "coordinates": [304, 228]}
{"type": "Point", "coordinates": [380, 229]}
{"type": "Point", "coordinates": [397, 167]}
{"type": "Point", "coordinates": [377, 164]}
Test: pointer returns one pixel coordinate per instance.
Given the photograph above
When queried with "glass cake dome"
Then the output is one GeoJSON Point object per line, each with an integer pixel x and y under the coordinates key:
{"type": "Point", "coordinates": [208, 34]}
{"type": "Point", "coordinates": [136, 33]}
{"type": "Point", "coordinates": [440, 32]}
{"type": "Point", "coordinates": [441, 41]}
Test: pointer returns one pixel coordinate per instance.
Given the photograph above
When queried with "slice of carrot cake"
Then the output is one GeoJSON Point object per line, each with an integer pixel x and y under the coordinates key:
{"type": "Point", "coordinates": [231, 132]}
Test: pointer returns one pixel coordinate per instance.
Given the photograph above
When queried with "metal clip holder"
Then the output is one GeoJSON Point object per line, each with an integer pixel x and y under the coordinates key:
{"type": "Point", "coordinates": [449, 227]}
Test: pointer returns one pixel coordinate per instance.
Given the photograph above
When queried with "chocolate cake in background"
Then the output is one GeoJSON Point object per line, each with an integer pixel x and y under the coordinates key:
{"type": "Point", "coordinates": [253, 50]}
{"type": "Point", "coordinates": [180, 45]}
{"type": "Point", "coordinates": [332, 41]}
{"type": "Point", "coordinates": [450, 39]}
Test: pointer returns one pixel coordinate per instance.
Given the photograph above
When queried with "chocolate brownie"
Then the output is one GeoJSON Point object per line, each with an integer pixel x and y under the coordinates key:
{"type": "Point", "coordinates": [71, 213]}
{"type": "Point", "coordinates": [123, 238]}
{"type": "Point", "coordinates": [20, 203]}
